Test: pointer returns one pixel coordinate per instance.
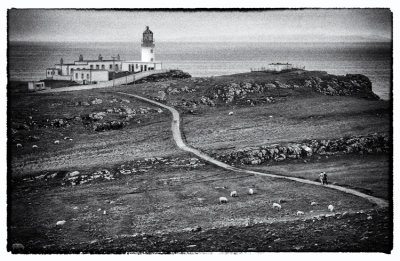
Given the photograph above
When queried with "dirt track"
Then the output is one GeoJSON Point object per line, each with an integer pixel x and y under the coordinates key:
{"type": "Point", "coordinates": [176, 132]}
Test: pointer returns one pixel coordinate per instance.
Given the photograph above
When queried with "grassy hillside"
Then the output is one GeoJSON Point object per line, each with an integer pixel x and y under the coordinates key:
{"type": "Point", "coordinates": [34, 119]}
{"type": "Point", "coordinates": [143, 194]}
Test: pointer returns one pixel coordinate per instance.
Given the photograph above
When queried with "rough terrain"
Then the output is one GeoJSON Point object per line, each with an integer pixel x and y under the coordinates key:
{"type": "Point", "coordinates": [138, 192]}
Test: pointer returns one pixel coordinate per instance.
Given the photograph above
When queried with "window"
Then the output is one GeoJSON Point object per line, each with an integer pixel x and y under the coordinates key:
{"type": "Point", "coordinates": [76, 75]}
{"type": "Point", "coordinates": [137, 66]}
{"type": "Point", "coordinates": [151, 50]}
{"type": "Point", "coordinates": [110, 66]}
{"type": "Point", "coordinates": [116, 67]}
{"type": "Point", "coordinates": [151, 59]}
{"type": "Point", "coordinates": [103, 66]}
{"type": "Point", "coordinates": [130, 67]}
{"type": "Point", "coordinates": [87, 76]}
{"type": "Point", "coordinates": [82, 76]}
{"type": "Point", "coordinates": [91, 66]}
{"type": "Point", "coordinates": [72, 70]}
{"type": "Point", "coordinates": [97, 66]}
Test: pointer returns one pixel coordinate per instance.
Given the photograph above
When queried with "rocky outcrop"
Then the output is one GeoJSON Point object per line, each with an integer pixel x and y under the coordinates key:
{"type": "Point", "coordinates": [109, 125]}
{"type": "Point", "coordinates": [373, 143]}
{"type": "Point", "coordinates": [173, 74]}
{"type": "Point", "coordinates": [269, 90]}
{"type": "Point", "coordinates": [351, 84]}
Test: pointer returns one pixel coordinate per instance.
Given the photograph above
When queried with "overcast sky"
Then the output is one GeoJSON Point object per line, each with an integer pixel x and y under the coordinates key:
{"type": "Point", "coordinates": [253, 26]}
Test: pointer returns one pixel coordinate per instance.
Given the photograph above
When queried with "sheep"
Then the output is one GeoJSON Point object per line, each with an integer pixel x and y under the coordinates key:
{"type": "Point", "coordinates": [223, 200]}
{"type": "Point", "coordinates": [251, 191]}
{"type": "Point", "coordinates": [19, 145]}
{"type": "Point", "coordinates": [331, 208]}
{"type": "Point", "coordinates": [277, 206]}
{"type": "Point", "coordinates": [299, 213]}
{"type": "Point", "coordinates": [35, 147]}
{"type": "Point", "coordinates": [60, 223]}
{"type": "Point", "coordinates": [65, 138]}
{"type": "Point", "coordinates": [231, 113]}
{"type": "Point", "coordinates": [234, 194]}
{"type": "Point", "coordinates": [56, 142]}
{"type": "Point", "coordinates": [314, 203]}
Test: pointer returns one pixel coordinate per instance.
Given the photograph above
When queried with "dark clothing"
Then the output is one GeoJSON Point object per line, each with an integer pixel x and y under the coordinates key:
{"type": "Point", "coordinates": [323, 178]}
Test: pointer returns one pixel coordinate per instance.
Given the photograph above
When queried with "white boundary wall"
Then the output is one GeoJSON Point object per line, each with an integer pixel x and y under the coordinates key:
{"type": "Point", "coordinates": [116, 82]}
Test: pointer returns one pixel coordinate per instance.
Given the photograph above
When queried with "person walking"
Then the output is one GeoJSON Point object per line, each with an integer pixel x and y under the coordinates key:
{"type": "Point", "coordinates": [323, 178]}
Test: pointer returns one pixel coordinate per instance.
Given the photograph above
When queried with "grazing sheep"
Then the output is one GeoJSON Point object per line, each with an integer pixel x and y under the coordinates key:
{"type": "Point", "coordinates": [251, 191]}
{"type": "Point", "coordinates": [223, 200]}
{"type": "Point", "coordinates": [234, 194]}
{"type": "Point", "coordinates": [65, 138]}
{"type": "Point", "coordinates": [331, 208]}
{"type": "Point", "coordinates": [60, 223]}
{"type": "Point", "coordinates": [19, 145]}
{"type": "Point", "coordinates": [35, 147]}
{"type": "Point", "coordinates": [56, 142]}
{"type": "Point", "coordinates": [231, 113]}
{"type": "Point", "coordinates": [314, 203]}
{"type": "Point", "coordinates": [299, 213]}
{"type": "Point", "coordinates": [70, 139]}
{"type": "Point", "coordinates": [276, 205]}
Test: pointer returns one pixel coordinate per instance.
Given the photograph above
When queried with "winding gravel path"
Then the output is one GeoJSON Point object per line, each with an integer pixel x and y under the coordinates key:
{"type": "Point", "coordinates": [176, 132]}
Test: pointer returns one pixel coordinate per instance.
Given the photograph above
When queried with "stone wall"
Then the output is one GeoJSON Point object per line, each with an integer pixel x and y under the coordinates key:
{"type": "Point", "coordinates": [373, 143]}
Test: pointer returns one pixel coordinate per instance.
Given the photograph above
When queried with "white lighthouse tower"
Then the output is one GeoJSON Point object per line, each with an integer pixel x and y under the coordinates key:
{"type": "Point", "coordinates": [148, 46]}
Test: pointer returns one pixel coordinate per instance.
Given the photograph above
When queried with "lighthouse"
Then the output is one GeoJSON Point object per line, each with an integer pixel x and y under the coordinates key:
{"type": "Point", "coordinates": [148, 46]}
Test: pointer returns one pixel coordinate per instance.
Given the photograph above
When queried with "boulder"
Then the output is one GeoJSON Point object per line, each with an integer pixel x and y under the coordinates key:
{"type": "Point", "coordinates": [97, 101]}
{"type": "Point", "coordinates": [162, 95]}
{"type": "Point", "coordinates": [306, 151]}
{"type": "Point", "coordinates": [16, 247]}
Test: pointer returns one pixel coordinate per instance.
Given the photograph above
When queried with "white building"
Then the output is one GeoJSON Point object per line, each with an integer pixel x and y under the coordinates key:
{"type": "Point", "coordinates": [91, 71]}
{"type": "Point", "coordinates": [277, 67]}
{"type": "Point", "coordinates": [36, 86]}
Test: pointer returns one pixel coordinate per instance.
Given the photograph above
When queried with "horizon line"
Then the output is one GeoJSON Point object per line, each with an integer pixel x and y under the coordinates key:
{"type": "Point", "coordinates": [176, 41]}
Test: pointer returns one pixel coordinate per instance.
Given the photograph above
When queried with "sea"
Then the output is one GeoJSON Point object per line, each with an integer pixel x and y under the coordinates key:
{"type": "Point", "coordinates": [29, 60]}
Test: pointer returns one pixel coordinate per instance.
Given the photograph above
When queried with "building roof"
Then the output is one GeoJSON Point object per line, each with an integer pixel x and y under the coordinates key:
{"type": "Point", "coordinates": [139, 62]}
{"type": "Point", "coordinates": [100, 61]}
{"type": "Point", "coordinates": [103, 70]}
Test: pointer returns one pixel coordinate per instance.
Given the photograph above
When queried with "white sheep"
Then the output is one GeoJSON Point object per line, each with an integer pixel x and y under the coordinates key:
{"type": "Point", "coordinates": [56, 142]}
{"type": "Point", "coordinates": [35, 146]}
{"type": "Point", "coordinates": [276, 205]}
{"type": "Point", "coordinates": [231, 113]}
{"type": "Point", "coordinates": [223, 200]}
{"type": "Point", "coordinates": [234, 194]}
{"type": "Point", "coordinates": [331, 208]}
{"type": "Point", "coordinates": [314, 203]}
{"type": "Point", "coordinates": [299, 213]}
{"type": "Point", "coordinates": [251, 191]}
{"type": "Point", "coordinates": [60, 223]}
{"type": "Point", "coordinates": [19, 145]}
